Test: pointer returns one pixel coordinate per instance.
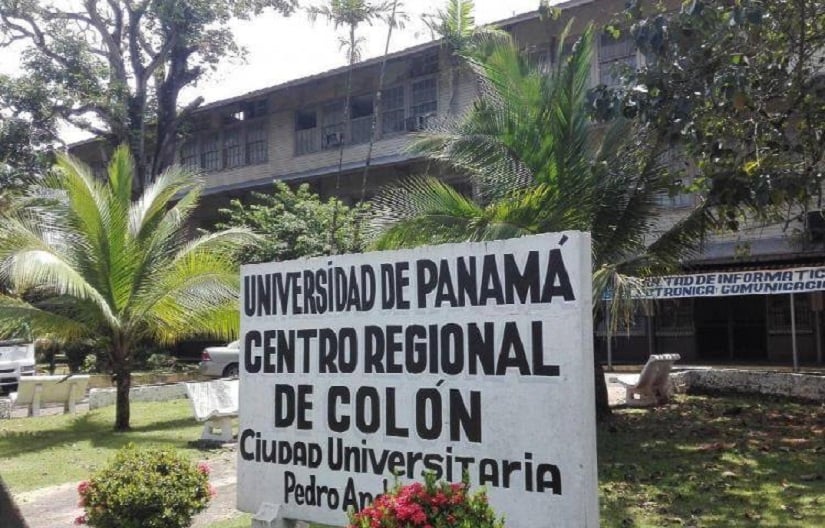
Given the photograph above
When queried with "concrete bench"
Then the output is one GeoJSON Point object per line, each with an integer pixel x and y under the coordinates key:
{"type": "Point", "coordinates": [215, 403]}
{"type": "Point", "coordinates": [653, 386]}
{"type": "Point", "coordinates": [36, 391]}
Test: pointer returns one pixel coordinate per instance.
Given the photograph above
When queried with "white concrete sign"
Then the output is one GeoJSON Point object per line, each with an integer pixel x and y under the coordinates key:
{"type": "Point", "coordinates": [724, 283]}
{"type": "Point", "coordinates": [459, 358]}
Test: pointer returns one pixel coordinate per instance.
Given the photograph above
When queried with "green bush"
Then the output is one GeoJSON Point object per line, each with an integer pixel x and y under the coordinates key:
{"type": "Point", "coordinates": [145, 488]}
{"type": "Point", "coordinates": [161, 362]}
{"type": "Point", "coordinates": [76, 353]}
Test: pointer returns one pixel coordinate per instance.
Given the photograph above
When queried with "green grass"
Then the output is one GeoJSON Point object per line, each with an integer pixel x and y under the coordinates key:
{"type": "Point", "coordinates": [698, 462]}
{"type": "Point", "coordinates": [714, 462]}
{"type": "Point", "coordinates": [243, 521]}
{"type": "Point", "coordinates": [49, 450]}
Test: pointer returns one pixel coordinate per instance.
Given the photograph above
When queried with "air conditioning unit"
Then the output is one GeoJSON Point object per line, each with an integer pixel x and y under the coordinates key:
{"type": "Point", "coordinates": [416, 123]}
{"type": "Point", "coordinates": [333, 140]}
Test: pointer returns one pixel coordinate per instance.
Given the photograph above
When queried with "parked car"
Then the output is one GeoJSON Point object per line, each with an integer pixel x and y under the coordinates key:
{"type": "Point", "coordinates": [16, 359]}
{"type": "Point", "coordinates": [221, 361]}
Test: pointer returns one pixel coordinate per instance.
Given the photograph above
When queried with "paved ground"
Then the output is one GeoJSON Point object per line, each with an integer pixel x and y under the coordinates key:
{"type": "Point", "coordinates": [56, 506]}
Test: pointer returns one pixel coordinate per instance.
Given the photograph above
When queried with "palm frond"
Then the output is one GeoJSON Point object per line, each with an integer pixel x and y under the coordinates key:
{"type": "Point", "coordinates": [16, 314]}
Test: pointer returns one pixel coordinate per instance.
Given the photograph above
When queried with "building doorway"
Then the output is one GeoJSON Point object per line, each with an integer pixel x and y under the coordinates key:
{"type": "Point", "coordinates": [731, 328]}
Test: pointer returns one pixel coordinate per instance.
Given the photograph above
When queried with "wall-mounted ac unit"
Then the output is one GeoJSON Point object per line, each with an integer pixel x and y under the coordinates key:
{"type": "Point", "coordinates": [333, 140]}
{"type": "Point", "coordinates": [416, 123]}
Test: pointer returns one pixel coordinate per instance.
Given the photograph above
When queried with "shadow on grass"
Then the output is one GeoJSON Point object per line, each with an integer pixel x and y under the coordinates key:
{"type": "Point", "coordinates": [95, 428]}
{"type": "Point", "coordinates": [733, 461]}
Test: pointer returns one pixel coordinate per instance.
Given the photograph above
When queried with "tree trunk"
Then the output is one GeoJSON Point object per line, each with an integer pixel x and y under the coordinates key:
{"type": "Point", "coordinates": [10, 516]}
{"type": "Point", "coordinates": [137, 143]}
{"type": "Point", "coordinates": [123, 379]}
{"type": "Point", "coordinates": [377, 104]}
{"type": "Point", "coordinates": [455, 80]}
{"type": "Point", "coordinates": [602, 402]}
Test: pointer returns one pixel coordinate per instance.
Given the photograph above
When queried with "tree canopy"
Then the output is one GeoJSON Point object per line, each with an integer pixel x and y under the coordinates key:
{"type": "Point", "coordinates": [116, 68]}
{"type": "Point", "coordinates": [538, 166]}
{"type": "Point", "coordinates": [295, 223]}
{"type": "Point", "coordinates": [740, 88]}
{"type": "Point", "coordinates": [83, 261]}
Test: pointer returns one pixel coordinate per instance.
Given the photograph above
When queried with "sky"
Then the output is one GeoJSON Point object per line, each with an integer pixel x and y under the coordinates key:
{"type": "Point", "coordinates": [281, 48]}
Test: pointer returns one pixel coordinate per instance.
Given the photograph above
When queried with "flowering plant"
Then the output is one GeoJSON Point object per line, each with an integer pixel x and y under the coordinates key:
{"type": "Point", "coordinates": [433, 504]}
{"type": "Point", "coordinates": [145, 488]}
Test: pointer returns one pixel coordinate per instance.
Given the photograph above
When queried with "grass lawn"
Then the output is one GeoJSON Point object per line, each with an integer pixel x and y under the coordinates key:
{"type": "Point", "coordinates": [731, 461]}
{"type": "Point", "coordinates": [244, 521]}
{"type": "Point", "coordinates": [699, 462]}
{"type": "Point", "coordinates": [49, 450]}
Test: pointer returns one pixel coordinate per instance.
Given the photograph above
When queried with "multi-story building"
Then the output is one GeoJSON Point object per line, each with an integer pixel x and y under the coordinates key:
{"type": "Point", "coordinates": [299, 131]}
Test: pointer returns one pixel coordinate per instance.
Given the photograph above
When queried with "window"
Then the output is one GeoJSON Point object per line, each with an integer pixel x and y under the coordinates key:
{"type": "Point", "coordinates": [254, 109]}
{"type": "Point", "coordinates": [424, 65]}
{"type": "Point", "coordinates": [677, 197]}
{"type": "Point", "coordinates": [233, 154]}
{"type": "Point", "coordinates": [210, 155]}
{"type": "Point", "coordinates": [675, 317]}
{"type": "Point", "coordinates": [779, 314]}
{"type": "Point", "coordinates": [332, 131]}
{"type": "Point", "coordinates": [392, 110]}
{"type": "Point", "coordinates": [424, 97]}
{"type": "Point", "coordinates": [361, 111]}
{"type": "Point", "coordinates": [189, 154]}
{"type": "Point", "coordinates": [306, 132]}
{"type": "Point", "coordinates": [540, 60]}
{"type": "Point", "coordinates": [615, 55]}
{"type": "Point", "coordinates": [256, 144]}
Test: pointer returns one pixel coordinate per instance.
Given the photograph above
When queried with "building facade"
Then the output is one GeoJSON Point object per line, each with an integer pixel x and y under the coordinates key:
{"type": "Point", "coordinates": [299, 132]}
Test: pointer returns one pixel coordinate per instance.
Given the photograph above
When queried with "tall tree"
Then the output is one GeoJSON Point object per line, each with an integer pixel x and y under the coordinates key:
{"type": "Point", "coordinates": [22, 159]}
{"type": "Point", "coordinates": [529, 147]}
{"type": "Point", "coordinates": [350, 15]}
{"type": "Point", "coordinates": [84, 261]}
{"type": "Point", "coordinates": [116, 68]}
{"type": "Point", "coordinates": [394, 16]}
{"type": "Point", "coordinates": [740, 86]}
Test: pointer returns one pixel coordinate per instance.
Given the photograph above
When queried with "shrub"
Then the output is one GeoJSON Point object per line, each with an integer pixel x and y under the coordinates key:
{"type": "Point", "coordinates": [145, 488]}
{"type": "Point", "coordinates": [161, 362]}
{"type": "Point", "coordinates": [434, 504]}
{"type": "Point", "coordinates": [90, 364]}
{"type": "Point", "coordinates": [76, 353]}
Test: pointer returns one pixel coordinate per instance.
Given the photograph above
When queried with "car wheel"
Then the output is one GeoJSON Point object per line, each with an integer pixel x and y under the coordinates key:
{"type": "Point", "coordinates": [231, 371]}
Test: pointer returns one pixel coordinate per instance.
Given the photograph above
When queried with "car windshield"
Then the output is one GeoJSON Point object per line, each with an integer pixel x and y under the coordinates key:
{"type": "Point", "coordinates": [234, 344]}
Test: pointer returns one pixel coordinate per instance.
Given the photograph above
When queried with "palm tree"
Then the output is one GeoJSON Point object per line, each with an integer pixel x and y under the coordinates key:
{"type": "Point", "coordinates": [459, 35]}
{"type": "Point", "coordinates": [539, 165]}
{"type": "Point", "coordinates": [84, 261]}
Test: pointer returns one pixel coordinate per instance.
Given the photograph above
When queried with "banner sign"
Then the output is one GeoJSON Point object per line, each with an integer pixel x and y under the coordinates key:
{"type": "Point", "coordinates": [723, 283]}
{"type": "Point", "coordinates": [457, 359]}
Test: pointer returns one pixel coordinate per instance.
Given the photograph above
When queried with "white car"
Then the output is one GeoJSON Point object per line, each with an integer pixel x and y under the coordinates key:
{"type": "Point", "coordinates": [16, 359]}
{"type": "Point", "coordinates": [221, 361]}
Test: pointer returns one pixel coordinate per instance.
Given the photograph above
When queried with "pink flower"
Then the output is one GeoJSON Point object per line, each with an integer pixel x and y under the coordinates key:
{"type": "Point", "coordinates": [83, 487]}
{"type": "Point", "coordinates": [212, 491]}
{"type": "Point", "coordinates": [204, 468]}
{"type": "Point", "coordinates": [80, 520]}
